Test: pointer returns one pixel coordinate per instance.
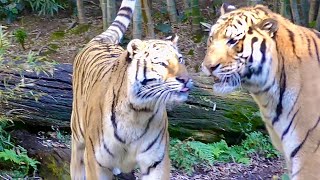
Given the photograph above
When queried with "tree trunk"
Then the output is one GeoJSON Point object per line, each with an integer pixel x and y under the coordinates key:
{"type": "Point", "coordinates": [304, 7]}
{"type": "Point", "coordinates": [318, 20]}
{"type": "Point", "coordinates": [146, 14]}
{"type": "Point", "coordinates": [313, 11]}
{"type": "Point", "coordinates": [295, 12]}
{"type": "Point", "coordinates": [233, 115]}
{"type": "Point", "coordinates": [171, 8]}
{"type": "Point", "coordinates": [137, 21]}
{"type": "Point", "coordinates": [81, 15]}
{"type": "Point", "coordinates": [195, 16]}
{"type": "Point", "coordinates": [285, 9]}
{"type": "Point", "coordinates": [109, 12]}
{"type": "Point", "coordinates": [254, 2]}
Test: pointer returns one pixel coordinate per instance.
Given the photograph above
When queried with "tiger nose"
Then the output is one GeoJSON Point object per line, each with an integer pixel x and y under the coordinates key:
{"type": "Point", "coordinates": [183, 79]}
{"type": "Point", "coordinates": [212, 67]}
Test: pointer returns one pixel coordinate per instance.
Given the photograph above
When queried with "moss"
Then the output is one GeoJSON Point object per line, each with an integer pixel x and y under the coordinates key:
{"type": "Point", "coordinates": [53, 46]}
{"type": "Point", "coordinates": [191, 52]}
{"type": "Point", "coordinates": [197, 38]}
{"type": "Point", "coordinates": [53, 170]}
{"type": "Point", "coordinates": [80, 29]}
{"type": "Point", "coordinates": [57, 35]}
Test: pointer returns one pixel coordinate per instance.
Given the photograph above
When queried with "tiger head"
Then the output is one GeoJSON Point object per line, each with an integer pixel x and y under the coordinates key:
{"type": "Point", "coordinates": [240, 49]}
{"type": "Point", "coordinates": [157, 72]}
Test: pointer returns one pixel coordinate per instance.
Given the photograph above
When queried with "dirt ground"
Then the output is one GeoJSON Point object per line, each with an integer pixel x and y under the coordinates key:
{"type": "Point", "coordinates": [60, 38]}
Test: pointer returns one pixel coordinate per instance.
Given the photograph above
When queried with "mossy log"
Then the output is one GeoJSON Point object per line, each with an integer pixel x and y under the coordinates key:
{"type": "Point", "coordinates": [233, 114]}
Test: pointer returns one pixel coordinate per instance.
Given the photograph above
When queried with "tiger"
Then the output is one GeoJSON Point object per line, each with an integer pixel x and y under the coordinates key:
{"type": "Point", "coordinates": [278, 63]}
{"type": "Point", "coordinates": [119, 119]}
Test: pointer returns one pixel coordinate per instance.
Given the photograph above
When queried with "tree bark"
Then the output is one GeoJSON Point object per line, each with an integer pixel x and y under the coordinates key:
{"type": "Point", "coordinates": [313, 11]}
{"type": "Point", "coordinates": [108, 8]}
{"type": "Point", "coordinates": [81, 15]}
{"type": "Point", "coordinates": [146, 14]}
{"type": "Point", "coordinates": [171, 7]}
{"type": "Point", "coordinates": [195, 16]}
{"type": "Point", "coordinates": [295, 12]}
{"type": "Point", "coordinates": [137, 21]}
{"type": "Point", "coordinates": [232, 116]}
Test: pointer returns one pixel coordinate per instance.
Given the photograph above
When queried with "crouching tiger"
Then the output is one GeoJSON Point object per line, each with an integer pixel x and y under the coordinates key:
{"type": "Point", "coordinates": [278, 62]}
{"type": "Point", "coordinates": [119, 117]}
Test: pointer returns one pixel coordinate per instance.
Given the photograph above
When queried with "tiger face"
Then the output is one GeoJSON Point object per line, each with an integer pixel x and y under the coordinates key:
{"type": "Point", "coordinates": [237, 49]}
{"type": "Point", "coordinates": [157, 72]}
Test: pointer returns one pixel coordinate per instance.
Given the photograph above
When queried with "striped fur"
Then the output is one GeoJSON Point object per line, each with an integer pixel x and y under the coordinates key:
{"type": "Point", "coordinates": [119, 117]}
{"type": "Point", "coordinates": [278, 63]}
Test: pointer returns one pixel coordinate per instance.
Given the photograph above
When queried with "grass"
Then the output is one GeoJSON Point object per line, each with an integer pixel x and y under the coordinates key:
{"type": "Point", "coordinates": [185, 155]}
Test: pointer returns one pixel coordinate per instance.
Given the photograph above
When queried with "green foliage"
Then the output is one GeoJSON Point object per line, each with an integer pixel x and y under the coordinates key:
{"type": "Point", "coordinates": [30, 62]}
{"type": "Point", "coordinates": [165, 28]}
{"type": "Point", "coordinates": [14, 160]}
{"type": "Point", "coordinates": [45, 7]}
{"type": "Point", "coordinates": [285, 177]}
{"type": "Point", "coordinates": [20, 35]}
{"type": "Point", "coordinates": [82, 28]}
{"type": "Point", "coordinates": [10, 9]}
{"type": "Point", "coordinates": [186, 154]}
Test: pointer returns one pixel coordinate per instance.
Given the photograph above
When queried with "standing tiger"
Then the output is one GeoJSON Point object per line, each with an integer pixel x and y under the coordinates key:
{"type": "Point", "coordinates": [119, 117]}
{"type": "Point", "coordinates": [278, 62]}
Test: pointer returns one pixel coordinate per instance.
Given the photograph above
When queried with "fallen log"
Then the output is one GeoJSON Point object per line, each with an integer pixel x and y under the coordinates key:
{"type": "Point", "coordinates": [204, 116]}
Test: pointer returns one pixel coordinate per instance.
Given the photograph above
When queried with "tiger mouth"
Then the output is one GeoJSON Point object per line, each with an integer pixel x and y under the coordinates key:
{"type": "Point", "coordinates": [184, 90]}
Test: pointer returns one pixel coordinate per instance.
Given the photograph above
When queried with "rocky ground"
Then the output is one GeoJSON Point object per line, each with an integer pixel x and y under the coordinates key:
{"type": "Point", "coordinates": [60, 38]}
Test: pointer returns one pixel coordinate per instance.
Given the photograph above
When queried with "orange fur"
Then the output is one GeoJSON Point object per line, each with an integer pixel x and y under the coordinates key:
{"type": "Point", "coordinates": [278, 62]}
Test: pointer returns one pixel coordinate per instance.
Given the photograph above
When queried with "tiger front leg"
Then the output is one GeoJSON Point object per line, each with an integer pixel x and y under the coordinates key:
{"type": "Point", "coordinates": [77, 169]}
{"type": "Point", "coordinates": [159, 170]}
{"type": "Point", "coordinates": [94, 169]}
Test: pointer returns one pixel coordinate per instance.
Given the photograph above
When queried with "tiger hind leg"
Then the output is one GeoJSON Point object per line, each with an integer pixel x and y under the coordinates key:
{"type": "Point", "coordinates": [158, 171]}
{"type": "Point", "coordinates": [77, 168]}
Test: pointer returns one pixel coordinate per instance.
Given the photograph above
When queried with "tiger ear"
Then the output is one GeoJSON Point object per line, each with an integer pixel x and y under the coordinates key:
{"type": "Point", "coordinates": [269, 25]}
{"type": "Point", "coordinates": [225, 8]}
{"type": "Point", "coordinates": [173, 38]}
{"type": "Point", "coordinates": [207, 26]}
{"type": "Point", "coordinates": [134, 45]}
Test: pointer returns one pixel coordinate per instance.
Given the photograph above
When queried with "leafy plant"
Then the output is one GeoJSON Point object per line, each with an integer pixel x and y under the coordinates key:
{"type": "Point", "coordinates": [31, 62]}
{"type": "Point", "coordinates": [13, 158]}
{"type": "Point", "coordinates": [187, 154]}
{"type": "Point", "coordinates": [20, 35]}
{"type": "Point", "coordinates": [45, 7]}
{"type": "Point", "coordinates": [10, 9]}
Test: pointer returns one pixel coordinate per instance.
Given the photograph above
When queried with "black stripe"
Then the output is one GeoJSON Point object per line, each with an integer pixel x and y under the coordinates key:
{"type": "Point", "coordinates": [283, 85]}
{"type": "Point", "coordinates": [107, 149]}
{"type": "Point", "coordinates": [263, 58]}
{"type": "Point", "coordinates": [155, 164]}
{"type": "Point", "coordinates": [145, 69]}
{"type": "Point", "coordinates": [119, 25]}
{"type": "Point", "coordinates": [291, 36]}
{"type": "Point", "coordinates": [94, 153]}
{"type": "Point", "coordinates": [287, 129]}
{"type": "Point", "coordinates": [154, 141]}
{"type": "Point", "coordinates": [113, 120]}
{"type": "Point", "coordinates": [309, 45]}
{"type": "Point", "coordinates": [316, 47]}
{"type": "Point", "coordinates": [296, 150]}
{"type": "Point", "coordinates": [126, 9]}
{"type": "Point", "coordinates": [126, 15]}
{"type": "Point", "coordinates": [144, 109]}
{"type": "Point", "coordinates": [137, 69]}
{"type": "Point", "coordinates": [317, 147]}
{"type": "Point", "coordinates": [147, 126]}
